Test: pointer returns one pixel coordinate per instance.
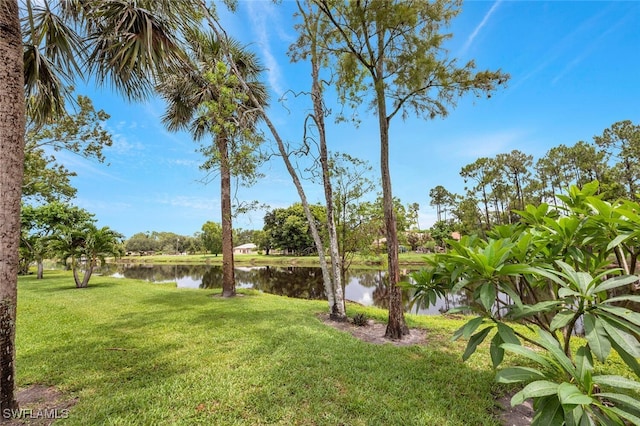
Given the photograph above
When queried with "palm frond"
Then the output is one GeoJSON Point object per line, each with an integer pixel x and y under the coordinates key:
{"type": "Point", "coordinates": [131, 45]}
{"type": "Point", "coordinates": [50, 51]}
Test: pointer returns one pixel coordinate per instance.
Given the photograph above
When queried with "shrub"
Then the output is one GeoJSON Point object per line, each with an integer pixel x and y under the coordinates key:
{"type": "Point", "coordinates": [360, 320]}
{"type": "Point", "coordinates": [552, 271]}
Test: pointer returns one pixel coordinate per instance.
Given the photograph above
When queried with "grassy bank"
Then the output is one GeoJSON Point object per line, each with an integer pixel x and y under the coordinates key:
{"type": "Point", "coordinates": [376, 261]}
{"type": "Point", "coordinates": [138, 353]}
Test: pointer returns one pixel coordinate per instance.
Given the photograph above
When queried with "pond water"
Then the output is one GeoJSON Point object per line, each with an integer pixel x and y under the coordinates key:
{"type": "Point", "coordinates": [367, 287]}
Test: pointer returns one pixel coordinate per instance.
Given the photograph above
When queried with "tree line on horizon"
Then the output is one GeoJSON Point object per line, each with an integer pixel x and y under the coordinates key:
{"type": "Point", "coordinates": [497, 187]}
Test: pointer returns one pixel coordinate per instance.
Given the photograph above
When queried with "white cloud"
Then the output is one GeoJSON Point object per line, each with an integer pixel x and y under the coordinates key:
{"type": "Point", "coordinates": [485, 145]}
{"type": "Point", "coordinates": [566, 45]}
{"type": "Point", "coordinates": [183, 162]}
{"type": "Point", "coordinates": [189, 202]}
{"type": "Point", "coordinates": [84, 167]}
{"type": "Point", "coordinates": [589, 49]}
{"type": "Point", "coordinates": [479, 27]}
{"type": "Point", "coordinates": [264, 19]}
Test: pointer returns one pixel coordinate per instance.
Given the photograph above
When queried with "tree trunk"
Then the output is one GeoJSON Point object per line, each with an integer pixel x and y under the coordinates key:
{"type": "Point", "coordinates": [87, 276]}
{"type": "Point", "coordinates": [76, 277]}
{"type": "Point", "coordinates": [396, 326]}
{"type": "Point", "coordinates": [228, 275]}
{"type": "Point", "coordinates": [12, 127]}
{"type": "Point", "coordinates": [338, 310]}
{"type": "Point", "coordinates": [40, 264]}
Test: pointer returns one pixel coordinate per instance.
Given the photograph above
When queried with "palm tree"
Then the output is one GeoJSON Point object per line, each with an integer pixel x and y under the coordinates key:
{"type": "Point", "coordinates": [122, 42]}
{"type": "Point", "coordinates": [206, 99]}
{"type": "Point", "coordinates": [86, 248]}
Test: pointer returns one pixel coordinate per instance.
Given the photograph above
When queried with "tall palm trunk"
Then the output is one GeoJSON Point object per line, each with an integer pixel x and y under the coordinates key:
{"type": "Point", "coordinates": [12, 127]}
{"type": "Point", "coordinates": [228, 277]}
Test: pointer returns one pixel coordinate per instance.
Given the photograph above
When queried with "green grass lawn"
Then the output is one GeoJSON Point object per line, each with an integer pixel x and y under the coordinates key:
{"type": "Point", "coordinates": [139, 353]}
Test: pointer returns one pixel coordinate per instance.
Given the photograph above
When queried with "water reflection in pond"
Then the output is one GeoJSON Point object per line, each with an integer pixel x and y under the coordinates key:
{"type": "Point", "coordinates": [367, 287]}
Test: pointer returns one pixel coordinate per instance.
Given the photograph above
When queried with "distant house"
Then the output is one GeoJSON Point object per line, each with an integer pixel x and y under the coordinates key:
{"type": "Point", "coordinates": [248, 248]}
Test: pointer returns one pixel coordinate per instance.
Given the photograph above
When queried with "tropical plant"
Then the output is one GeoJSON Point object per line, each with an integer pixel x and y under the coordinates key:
{"type": "Point", "coordinates": [39, 224]}
{"type": "Point", "coordinates": [86, 248]}
{"type": "Point", "coordinates": [552, 272]}
{"type": "Point", "coordinates": [207, 99]}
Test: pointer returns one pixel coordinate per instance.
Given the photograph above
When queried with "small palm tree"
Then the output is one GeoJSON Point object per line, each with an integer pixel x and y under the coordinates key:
{"type": "Point", "coordinates": [206, 99]}
{"type": "Point", "coordinates": [87, 248]}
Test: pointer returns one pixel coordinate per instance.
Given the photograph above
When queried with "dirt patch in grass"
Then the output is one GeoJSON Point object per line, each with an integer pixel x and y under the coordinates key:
{"type": "Point", "coordinates": [39, 405]}
{"type": "Point", "coordinates": [373, 332]}
{"type": "Point", "coordinates": [520, 415]}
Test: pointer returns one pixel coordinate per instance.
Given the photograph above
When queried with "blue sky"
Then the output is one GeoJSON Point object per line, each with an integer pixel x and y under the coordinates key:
{"type": "Point", "coordinates": [574, 66]}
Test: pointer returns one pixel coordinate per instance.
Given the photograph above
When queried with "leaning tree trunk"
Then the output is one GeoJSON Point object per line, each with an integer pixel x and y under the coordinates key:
{"type": "Point", "coordinates": [12, 127]}
{"type": "Point", "coordinates": [228, 277]}
{"type": "Point", "coordinates": [76, 277]}
{"type": "Point", "coordinates": [338, 310]}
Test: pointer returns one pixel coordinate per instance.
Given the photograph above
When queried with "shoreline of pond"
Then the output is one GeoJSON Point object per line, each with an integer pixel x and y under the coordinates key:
{"type": "Point", "coordinates": [368, 262]}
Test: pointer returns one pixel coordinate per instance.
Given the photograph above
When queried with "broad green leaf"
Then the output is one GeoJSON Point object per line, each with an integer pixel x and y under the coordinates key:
{"type": "Point", "coordinates": [626, 415]}
{"type": "Point", "coordinates": [615, 282]}
{"type": "Point", "coordinates": [534, 390]}
{"type": "Point", "coordinates": [627, 342]}
{"type": "Point", "coordinates": [458, 286]}
{"type": "Point", "coordinates": [597, 337]}
{"type": "Point", "coordinates": [516, 269]}
{"type": "Point", "coordinates": [608, 417]}
{"type": "Point", "coordinates": [583, 282]}
{"type": "Point", "coordinates": [584, 366]}
{"type": "Point", "coordinates": [460, 309]}
{"type": "Point", "coordinates": [474, 341]}
{"type": "Point", "coordinates": [507, 334]}
{"type": "Point", "coordinates": [518, 374]}
{"type": "Point", "coordinates": [527, 353]}
{"type": "Point", "coordinates": [468, 329]}
{"type": "Point", "coordinates": [497, 353]}
{"type": "Point", "coordinates": [631, 361]}
{"type": "Point", "coordinates": [569, 272]}
{"type": "Point", "coordinates": [548, 412]}
{"type": "Point", "coordinates": [618, 240]}
{"type": "Point", "coordinates": [550, 274]}
{"type": "Point", "coordinates": [617, 382]}
{"type": "Point", "coordinates": [561, 319]}
{"type": "Point", "coordinates": [573, 414]}
{"type": "Point", "coordinates": [506, 289]}
{"type": "Point", "coordinates": [488, 296]}
{"type": "Point", "coordinates": [567, 292]}
{"type": "Point", "coordinates": [619, 322]}
{"type": "Point", "coordinates": [586, 420]}
{"type": "Point", "coordinates": [569, 394]}
{"type": "Point", "coordinates": [550, 344]}
{"type": "Point", "coordinates": [627, 314]}
{"type": "Point", "coordinates": [528, 310]}
{"type": "Point", "coordinates": [624, 298]}
{"type": "Point", "coordinates": [626, 400]}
